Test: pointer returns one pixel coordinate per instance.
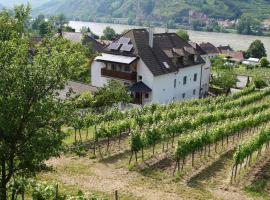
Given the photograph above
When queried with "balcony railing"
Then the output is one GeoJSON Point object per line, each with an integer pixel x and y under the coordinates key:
{"type": "Point", "coordinates": [121, 75]}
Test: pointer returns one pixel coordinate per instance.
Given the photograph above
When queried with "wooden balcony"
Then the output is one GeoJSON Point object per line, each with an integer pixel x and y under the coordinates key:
{"type": "Point", "coordinates": [120, 75]}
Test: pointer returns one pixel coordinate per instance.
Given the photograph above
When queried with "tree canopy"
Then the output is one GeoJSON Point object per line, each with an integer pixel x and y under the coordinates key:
{"type": "Point", "coordinates": [31, 115]}
{"type": "Point", "coordinates": [256, 50]}
{"type": "Point", "coordinates": [183, 34]}
{"type": "Point", "coordinates": [109, 33]}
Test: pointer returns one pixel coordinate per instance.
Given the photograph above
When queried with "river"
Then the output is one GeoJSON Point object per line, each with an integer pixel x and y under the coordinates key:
{"type": "Point", "coordinates": [236, 41]}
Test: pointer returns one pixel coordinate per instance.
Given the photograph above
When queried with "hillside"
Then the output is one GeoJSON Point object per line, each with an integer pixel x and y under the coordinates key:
{"type": "Point", "coordinates": [34, 3]}
{"type": "Point", "coordinates": [154, 9]}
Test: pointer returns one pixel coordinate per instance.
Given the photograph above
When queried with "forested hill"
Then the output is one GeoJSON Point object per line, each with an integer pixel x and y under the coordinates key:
{"type": "Point", "coordinates": [154, 9]}
{"type": "Point", "coordinates": [11, 3]}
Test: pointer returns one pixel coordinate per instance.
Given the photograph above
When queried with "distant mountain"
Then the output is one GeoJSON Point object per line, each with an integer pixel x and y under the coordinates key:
{"type": "Point", "coordinates": [34, 3]}
{"type": "Point", "coordinates": [153, 9]}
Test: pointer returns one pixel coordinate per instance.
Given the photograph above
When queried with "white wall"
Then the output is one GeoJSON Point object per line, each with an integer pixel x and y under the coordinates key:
{"type": "Point", "coordinates": [206, 71]}
{"type": "Point", "coordinates": [96, 79]}
{"type": "Point", "coordinates": [164, 90]}
{"type": "Point", "coordinates": [147, 79]}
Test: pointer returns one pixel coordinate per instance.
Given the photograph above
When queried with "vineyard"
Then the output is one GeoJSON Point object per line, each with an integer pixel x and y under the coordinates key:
{"type": "Point", "coordinates": [180, 141]}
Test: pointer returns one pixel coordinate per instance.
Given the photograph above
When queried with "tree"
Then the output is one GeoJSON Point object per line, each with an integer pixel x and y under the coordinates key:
{"type": "Point", "coordinates": [113, 92]}
{"type": "Point", "coordinates": [183, 34]}
{"type": "Point", "coordinates": [85, 29]}
{"type": "Point", "coordinates": [259, 81]}
{"type": "Point", "coordinates": [44, 28]}
{"type": "Point", "coordinates": [225, 80]}
{"type": "Point", "coordinates": [197, 24]}
{"type": "Point", "coordinates": [256, 49]}
{"type": "Point", "coordinates": [264, 62]}
{"type": "Point", "coordinates": [109, 33]}
{"type": "Point", "coordinates": [249, 25]}
{"type": "Point", "coordinates": [31, 115]}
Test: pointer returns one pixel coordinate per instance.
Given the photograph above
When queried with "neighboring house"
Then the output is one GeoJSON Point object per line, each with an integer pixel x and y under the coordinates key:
{"type": "Point", "coordinates": [74, 88]}
{"type": "Point", "coordinates": [84, 39]}
{"type": "Point", "coordinates": [156, 67]}
{"type": "Point", "coordinates": [266, 24]}
{"type": "Point", "coordinates": [251, 61]}
{"type": "Point", "coordinates": [224, 49]}
{"type": "Point", "coordinates": [235, 56]}
{"type": "Point", "coordinates": [210, 49]}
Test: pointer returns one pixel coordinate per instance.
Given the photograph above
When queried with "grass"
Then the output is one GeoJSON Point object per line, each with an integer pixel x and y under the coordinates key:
{"type": "Point", "coordinates": [70, 132]}
{"type": "Point", "coordinates": [257, 189]}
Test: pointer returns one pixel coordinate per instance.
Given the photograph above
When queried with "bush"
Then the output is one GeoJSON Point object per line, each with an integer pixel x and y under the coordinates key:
{"type": "Point", "coordinates": [260, 83]}
{"type": "Point", "coordinates": [264, 62]}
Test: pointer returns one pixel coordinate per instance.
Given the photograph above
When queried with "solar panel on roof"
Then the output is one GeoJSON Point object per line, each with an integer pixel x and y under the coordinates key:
{"type": "Point", "coordinates": [124, 40]}
{"type": "Point", "coordinates": [126, 47]}
{"type": "Point", "coordinates": [114, 46]}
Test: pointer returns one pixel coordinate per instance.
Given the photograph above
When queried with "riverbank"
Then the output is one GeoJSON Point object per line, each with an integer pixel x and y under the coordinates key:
{"type": "Point", "coordinates": [236, 41]}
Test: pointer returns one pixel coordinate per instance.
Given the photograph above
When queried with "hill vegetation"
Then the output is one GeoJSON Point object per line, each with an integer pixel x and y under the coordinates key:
{"type": "Point", "coordinates": [34, 3]}
{"type": "Point", "coordinates": [154, 10]}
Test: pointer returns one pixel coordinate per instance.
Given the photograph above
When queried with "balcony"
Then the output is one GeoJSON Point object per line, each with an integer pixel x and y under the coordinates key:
{"type": "Point", "coordinates": [120, 75]}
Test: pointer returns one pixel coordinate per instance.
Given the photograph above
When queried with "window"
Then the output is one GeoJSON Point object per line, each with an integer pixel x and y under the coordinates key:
{"type": "Point", "coordinates": [183, 95]}
{"type": "Point", "coordinates": [127, 69]}
{"type": "Point", "coordinates": [146, 95]}
{"type": "Point", "coordinates": [195, 77]}
{"type": "Point", "coordinates": [113, 67]}
{"type": "Point", "coordinates": [139, 78]}
{"type": "Point", "coordinates": [174, 83]}
{"type": "Point", "coordinates": [194, 92]}
{"type": "Point", "coordinates": [185, 80]}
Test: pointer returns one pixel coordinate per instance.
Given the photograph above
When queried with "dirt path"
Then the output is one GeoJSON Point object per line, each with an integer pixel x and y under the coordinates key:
{"type": "Point", "coordinates": [105, 178]}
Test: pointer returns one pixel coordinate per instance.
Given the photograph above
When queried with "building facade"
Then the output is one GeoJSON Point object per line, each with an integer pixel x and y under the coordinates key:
{"type": "Point", "coordinates": [157, 68]}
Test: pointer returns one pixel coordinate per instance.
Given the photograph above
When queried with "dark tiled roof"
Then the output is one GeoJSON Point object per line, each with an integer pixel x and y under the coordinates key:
{"type": "Point", "coordinates": [159, 58]}
{"type": "Point", "coordinates": [140, 87]}
{"type": "Point", "coordinates": [84, 39]}
{"type": "Point", "coordinates": [223, 49]}
{"type": "Point", "coordinates": [209, 48]}
{"type": "Point", "coordinates": [237, 55]}
{"type": "Point", "coordinates": [198, 48]}
{"type": "Point", "coordinates": [74, 87]}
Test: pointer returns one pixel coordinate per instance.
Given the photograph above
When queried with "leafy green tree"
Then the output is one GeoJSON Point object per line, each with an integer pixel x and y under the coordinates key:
{"type": "Point", "coordinates": [113, 92]}
{"type": "Point", "coordinates": [109, 33]}
{"type": "Point", "coordinates": [183, 34]}
{"type": "Point", "coordinates": [264, 62]}
{"type": "Point", "coordinates": [259, 81]}
{"type": "Point", "coordinates": [197, 25]}
{"type": "Point", "coordinates": [31, 115]}
{"type": "Point", "coordinates": [85, 29]}
{"type": "Point", "coordinates": [256, 50]}
{"type": "Point", "coordinates": [40, 18]}
{"type": "Point", "coordinates": [225, 80]}
{"type": "Point", "coordinates": [249, 25]}
{"type": "Point", "coordinates": [44, 28]}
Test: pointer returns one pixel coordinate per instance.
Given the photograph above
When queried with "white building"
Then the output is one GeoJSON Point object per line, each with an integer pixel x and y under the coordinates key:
{"type": "Point", "coordinates": [251, 61]}
{"type": "Point", "coordinates": [156, 67]}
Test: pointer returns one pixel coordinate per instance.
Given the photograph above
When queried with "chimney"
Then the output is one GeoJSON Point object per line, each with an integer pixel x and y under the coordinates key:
{"type": "Point", "coordinates": [151, 37]}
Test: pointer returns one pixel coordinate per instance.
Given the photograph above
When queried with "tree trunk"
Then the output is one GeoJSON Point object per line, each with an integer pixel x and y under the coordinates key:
{"type": "Point", "coordinates": [193, 158]}
{"type": "Point", "coordinates": [142, 154]}
{"type": "Point", "coordinates": [130, 157]}
{"type": "Point", "coordinates": [172, 140]}
{"type": "Point", "coordinates": [136, 157]}
{"type": "Point", "coordinates": [75, 135]}
{"type": "Point", "coordinates": [80, 135]}
{"type": "Point", "coordinates": [3, 186]}
{"type": "Point", "coordinates": [108, 144]}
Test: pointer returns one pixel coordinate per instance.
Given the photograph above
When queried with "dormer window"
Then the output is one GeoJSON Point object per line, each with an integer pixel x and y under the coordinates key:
{"type": "Point", "coordinates": [180, 60]}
